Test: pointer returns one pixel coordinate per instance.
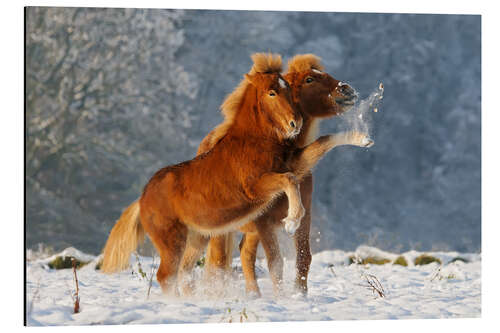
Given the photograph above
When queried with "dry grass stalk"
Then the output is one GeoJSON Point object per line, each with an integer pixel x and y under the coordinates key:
{"type": "Point", "coordinates": [153, 271]}
{"type": "Point", "coordinates": [76, 296]}
{"type": "Point", "coordinates": [139, 266]}
{"type": "Point", "coordinates": [145, 276]}
{"type": "Point", "coordinates": [374, 285]}
{"type": "Point", "coordinates": [228, 315]}
{"type": "Point", "coordinates": [436, 273]}
{"type": "Point", "coordinates": [330, 266]}
{"type": "Point", "coordinates": [243, 314]}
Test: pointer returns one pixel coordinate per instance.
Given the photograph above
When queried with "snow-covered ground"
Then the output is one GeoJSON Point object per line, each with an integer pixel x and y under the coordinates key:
{"type": "Point", "coordinates": [337, 291]}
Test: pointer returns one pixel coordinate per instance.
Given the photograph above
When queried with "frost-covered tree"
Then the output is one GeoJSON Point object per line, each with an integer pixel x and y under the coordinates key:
{"type": "Point", "coordinates": [106, 105]}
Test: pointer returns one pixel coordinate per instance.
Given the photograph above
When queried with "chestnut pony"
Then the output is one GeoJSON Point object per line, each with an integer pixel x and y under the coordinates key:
{"type": "Point", "coordinates": [317, 95]}
{"type": "Point", "coordinates": [222, 189]}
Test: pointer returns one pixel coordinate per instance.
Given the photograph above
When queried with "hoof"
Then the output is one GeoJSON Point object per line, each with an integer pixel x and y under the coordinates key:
{"type": "Point", "coordinates": [291, 225]}
{"type": "Point", "coordinates": [253, 294]}
{"type": "Point", "coordinates": [299, 295]}
{"type": "Point", "coordinates": [186, 290]}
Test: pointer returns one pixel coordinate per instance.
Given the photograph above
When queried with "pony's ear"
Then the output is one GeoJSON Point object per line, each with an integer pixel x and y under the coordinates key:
{"type": "Point", "coordinates": [250, 78]}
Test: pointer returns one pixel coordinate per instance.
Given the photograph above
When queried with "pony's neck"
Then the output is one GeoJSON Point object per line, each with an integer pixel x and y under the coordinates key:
{"type": "Point", "coordinates": [310, 129]}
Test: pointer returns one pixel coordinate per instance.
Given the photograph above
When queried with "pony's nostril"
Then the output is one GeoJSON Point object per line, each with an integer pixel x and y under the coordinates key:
{"type": "Point", "coordinates": [347, 90]}
{"type": "Point", "coordinates": [292, 123]}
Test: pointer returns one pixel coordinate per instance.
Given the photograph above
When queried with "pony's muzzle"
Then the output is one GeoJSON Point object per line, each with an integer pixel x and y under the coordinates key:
{"type": "Point", "coordinates": [348, 94]}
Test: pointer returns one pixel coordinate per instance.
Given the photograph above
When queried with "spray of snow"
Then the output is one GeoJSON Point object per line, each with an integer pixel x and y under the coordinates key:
{"type": "Point", "coordinates": [359, 118]}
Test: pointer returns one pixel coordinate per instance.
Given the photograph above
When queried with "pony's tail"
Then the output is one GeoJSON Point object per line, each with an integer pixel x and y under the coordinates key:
{"type": "Point", "coordinates": [124, 238]}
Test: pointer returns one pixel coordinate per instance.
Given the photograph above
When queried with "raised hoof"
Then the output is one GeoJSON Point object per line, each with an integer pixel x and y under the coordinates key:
{"type": "Point", "coordinates": [291, 225]}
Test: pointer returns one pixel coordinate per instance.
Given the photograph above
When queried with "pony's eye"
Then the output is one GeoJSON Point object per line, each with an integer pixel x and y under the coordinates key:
{"type": "Point", "coordinates": [272, 93]}
{"type": "Point", "coordinates": [309, 79]}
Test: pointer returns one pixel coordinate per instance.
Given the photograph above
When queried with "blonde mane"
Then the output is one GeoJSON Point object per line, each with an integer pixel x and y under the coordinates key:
{"type": "Point", "coordinates": [304, 62]}
{"type": "Point", "coordinates": [262, 63]}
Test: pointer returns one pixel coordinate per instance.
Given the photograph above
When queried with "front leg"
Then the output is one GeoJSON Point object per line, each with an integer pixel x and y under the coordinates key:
{"type": "Point", "coordinates": [301, 238]}
{"type": "Point", "coordinates": [304, 159]}
{"type": "Point", "coordinates": [219, 254]}
{"type": "Point", "coordinates": [270, 185]}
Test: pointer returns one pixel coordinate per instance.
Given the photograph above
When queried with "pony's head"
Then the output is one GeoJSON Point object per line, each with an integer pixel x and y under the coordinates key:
{"type": "Point", "coordinates": [265, 96]}
{"type": "Point", "coordinates": [315, 92]}
{"type": "Point", "coordinates": [273, 94]}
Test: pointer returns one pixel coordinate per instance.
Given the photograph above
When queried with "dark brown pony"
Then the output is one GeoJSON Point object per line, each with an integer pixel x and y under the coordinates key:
{"type": "Point", "coordinates": [222, 189]}
{"type": "Point", "coordinates": [316, 95]}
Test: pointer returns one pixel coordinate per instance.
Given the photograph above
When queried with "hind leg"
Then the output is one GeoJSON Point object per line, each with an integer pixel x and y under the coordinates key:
{"type": "Point", "coordinates": [170, 242]}
{"type": "Point", "coordinates": [303, 259]}
{"type": "Point", "coordinates": [195, 245]}
{"type": "Point", "coordinates": [218, 256]}
{"type": "Point", "coordinates": [271, 247]}
{"type": "Point", "coordinates": [248, 254]}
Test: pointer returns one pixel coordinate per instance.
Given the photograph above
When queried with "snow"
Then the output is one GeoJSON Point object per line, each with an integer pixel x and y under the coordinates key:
{"type": "Point", "coordinates": [68, 252]}
{"type": "Point", "coordinates": [337, 291]}
{"type": "Point", "coordinates": [358, 117]}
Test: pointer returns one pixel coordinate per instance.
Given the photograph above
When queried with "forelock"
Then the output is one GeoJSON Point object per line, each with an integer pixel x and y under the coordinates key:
{"type": "Point", "coordinates": [266, 63]}
{"type": "Point", "coordinates": [304, 62]}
